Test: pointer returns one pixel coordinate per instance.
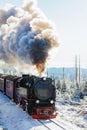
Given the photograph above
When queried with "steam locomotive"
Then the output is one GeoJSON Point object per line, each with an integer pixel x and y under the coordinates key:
{"type": "Point", "coordinates": [36, 95]}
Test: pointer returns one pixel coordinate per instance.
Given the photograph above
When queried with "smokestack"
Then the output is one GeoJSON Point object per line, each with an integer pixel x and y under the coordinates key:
{"type": "Point", "coordinates": [26, 36]}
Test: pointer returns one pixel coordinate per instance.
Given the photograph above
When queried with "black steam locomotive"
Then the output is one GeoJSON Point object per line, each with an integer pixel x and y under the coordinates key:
{"type": "Point", "coordinates": [36, 95]}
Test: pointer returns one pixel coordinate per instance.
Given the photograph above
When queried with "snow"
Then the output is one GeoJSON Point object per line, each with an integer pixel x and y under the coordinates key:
{"type": "Point", "coordinates": [12, 117]}
{"type": "Point", "coordinates": [75, 114]}
{"type": "Point", "coordinates": [71, 117]}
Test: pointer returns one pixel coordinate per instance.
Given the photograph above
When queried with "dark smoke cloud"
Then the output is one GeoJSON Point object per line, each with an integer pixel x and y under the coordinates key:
{"type": "Point", "coordinates": [26, 36]}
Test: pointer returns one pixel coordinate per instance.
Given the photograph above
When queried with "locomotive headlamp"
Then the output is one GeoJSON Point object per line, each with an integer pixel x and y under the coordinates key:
{"type": "Point", "coordinates": [44, 78]}
{"type": "Point", "coordinates": [51, 101]}
{"type": "Point", "coordinates": [37, 101]}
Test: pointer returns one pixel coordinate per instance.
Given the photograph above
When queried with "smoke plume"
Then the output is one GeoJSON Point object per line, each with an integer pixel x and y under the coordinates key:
{"type": "Point", "coordinates": [26, 36]}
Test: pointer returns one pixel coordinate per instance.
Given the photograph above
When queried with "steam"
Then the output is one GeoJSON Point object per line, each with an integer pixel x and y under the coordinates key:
{"type": "Point", "coordinates": [26, 36]}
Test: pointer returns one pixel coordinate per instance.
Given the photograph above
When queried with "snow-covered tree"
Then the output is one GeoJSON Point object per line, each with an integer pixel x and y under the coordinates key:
{"type": "Point", "coordinates": [76, 96]}
{"type": "Point", "coordinates": [63, 89]}
{"type": "Point", "coordinates": [58, 85]}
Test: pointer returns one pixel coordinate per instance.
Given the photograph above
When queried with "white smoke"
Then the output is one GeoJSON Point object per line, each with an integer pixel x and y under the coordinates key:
{"type": "Point", "coordinates": [26, 35]}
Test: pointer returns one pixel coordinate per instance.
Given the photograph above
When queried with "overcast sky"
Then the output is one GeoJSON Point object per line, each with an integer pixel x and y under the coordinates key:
{"type": "Point", "coordinates": [70, 18]}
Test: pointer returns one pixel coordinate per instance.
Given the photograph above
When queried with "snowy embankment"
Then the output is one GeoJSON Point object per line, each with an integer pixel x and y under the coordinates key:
{"type": "Point", "coordinates": [12, 117]}
{"type": "Point", "coordinates": [74, 115]}
{"type": "Point", "coordinates": [70, 117]}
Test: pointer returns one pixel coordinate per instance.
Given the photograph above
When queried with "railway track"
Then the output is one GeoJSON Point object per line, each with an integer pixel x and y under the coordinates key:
{"type": "Point", "coordinates": [58, 125]}
{"type": "Point", "coordinates": [44, 125]}
{"type": "Point", "coordinates": [68, 125]}
{"type": "Point", "coordinates": [52, 125]}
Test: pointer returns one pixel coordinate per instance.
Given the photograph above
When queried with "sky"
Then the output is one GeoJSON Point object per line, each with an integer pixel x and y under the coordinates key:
{"type": "Point", "coordinates": [70, 19]}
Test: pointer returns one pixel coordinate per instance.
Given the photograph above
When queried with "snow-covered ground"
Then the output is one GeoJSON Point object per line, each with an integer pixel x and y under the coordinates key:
{"type": "Point", "coordinates": [12, 117]}
{"type": "Point", "coordinates": [75, 114]}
